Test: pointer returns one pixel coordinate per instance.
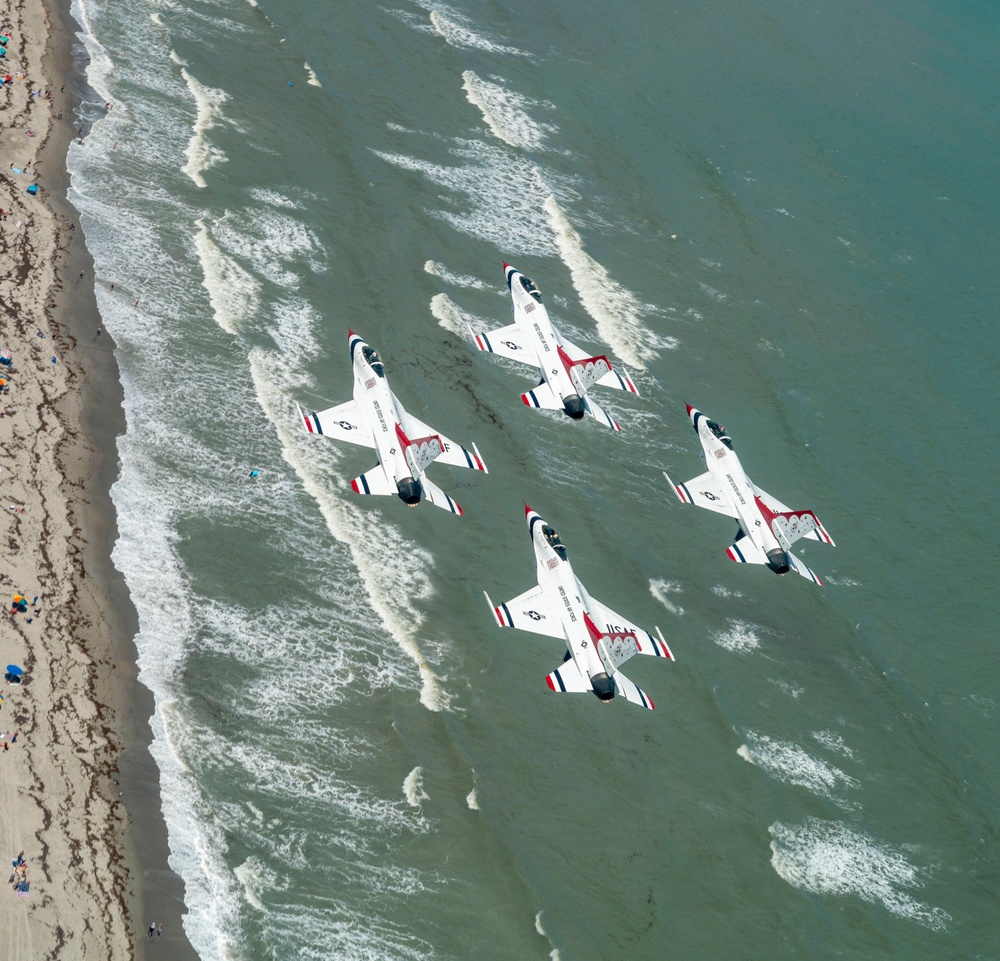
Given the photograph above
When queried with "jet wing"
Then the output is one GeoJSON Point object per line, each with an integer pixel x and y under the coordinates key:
{"type": "Point", "coordinates": [618, 379]}
{"type": "Point", "coordinates": [703, 491]}
{"type": "Point", "coordinates": [609, 622]}
{"type": "Point", "coordinates": [817, 533]}
{"type": "Point", "coordinates": [343, 422]}
{"type": "Point", "coordinates": [454, 454]}
{"type": "Point", "coordinates": [530, 611]}
{"type": "Point", "coordinates": [745, 551]}
{"type": "Point", "coordinates": [509, 342]}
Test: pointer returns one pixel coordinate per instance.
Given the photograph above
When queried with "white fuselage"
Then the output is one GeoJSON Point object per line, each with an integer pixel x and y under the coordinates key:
{"type": "Point", "coordinates": [532, 317]}
{"type": "Point", "coordinates": [373, 396]}
{"type": "Point", "coordinates": [726, 468]}
{"type": "Point", "coordinates": [560, 584]}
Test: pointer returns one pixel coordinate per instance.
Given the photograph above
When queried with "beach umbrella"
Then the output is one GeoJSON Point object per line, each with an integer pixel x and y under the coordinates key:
{"type": "Point", "coordinates": [14, 671]}
{"type": "Point", "coordinates": [6, 357]}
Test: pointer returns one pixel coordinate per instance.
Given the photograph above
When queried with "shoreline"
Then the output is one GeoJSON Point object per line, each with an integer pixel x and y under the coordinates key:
{"type": "Point", "coordinates": [83, 753]}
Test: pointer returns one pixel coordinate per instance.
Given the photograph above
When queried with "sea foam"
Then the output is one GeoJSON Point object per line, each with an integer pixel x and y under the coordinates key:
{"type": "Point", "coordinates": [201, 154]}
{"type": "Point", "coordinates": [661, 589]}
{"type": "Point", "coordinates": [459, 31]}
{"type": "Point", "coordinates": [827, 857]}
{"type": "Point", "coordinates": [385, 565]}
{"type": "Point", "coordinates": [788, 762]}
{"type": "Point", "coordinates": [739, 637]}
{"type": "Point", "coordinates": [413, 788]}
{"type": "Point", "coordinates": [506, 112]}
{"type": "Point", "coordinates": [233, 292]}
{"type": "Point", "coordinates": [619, 314]}
{"type": "Point", "coordinates": [436, 269]}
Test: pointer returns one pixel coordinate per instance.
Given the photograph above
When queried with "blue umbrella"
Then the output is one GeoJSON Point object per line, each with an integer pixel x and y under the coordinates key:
{"type": "Point", "coordinates": [14, 670]}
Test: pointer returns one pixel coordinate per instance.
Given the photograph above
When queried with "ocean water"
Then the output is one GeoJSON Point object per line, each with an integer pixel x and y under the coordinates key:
{"type": "Point", "coordinates": [784, 215]}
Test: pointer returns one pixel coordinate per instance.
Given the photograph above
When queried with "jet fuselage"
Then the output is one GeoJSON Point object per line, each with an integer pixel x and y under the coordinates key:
{"type": "Point", "coordinates": [372, 393]}
{"type": "Point", "coordinates": [530, 314]}
{"type": "Point", "coordinates": [725, 466]}
{"type": "Point", "coordinates": [583, 637]}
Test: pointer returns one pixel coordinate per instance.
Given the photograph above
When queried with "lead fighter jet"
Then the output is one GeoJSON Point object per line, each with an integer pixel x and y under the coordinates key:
{"type": "Point", "coordinates": [767, 527]}
{"type": "Point", "coordinates": [405, 446]}
{"type": "Point", "coordinates": [567, 371]}
{"type": "Point", "coordinates": [598, 639]}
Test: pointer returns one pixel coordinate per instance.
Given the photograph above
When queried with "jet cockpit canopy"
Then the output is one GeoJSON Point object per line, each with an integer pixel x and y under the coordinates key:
{"type": "Point", "coordinates": [371, 355]}
{"type": "Point", "coordinates": [720, 432]}
{"type": "Point", "coordinates": [529, 285]}
{"type": "Point", "coordinates": [551, 536]}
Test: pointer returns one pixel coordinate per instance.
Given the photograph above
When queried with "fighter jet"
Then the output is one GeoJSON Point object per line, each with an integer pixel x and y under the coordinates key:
{"type": "Point", "coordinates": [598, 640]}
{"type": "Point", "coordinates": [767, 527]}
{"type": "Point", "coordinates": [405, 446]}
{"type": "Point", "coordinates": [567, 371]}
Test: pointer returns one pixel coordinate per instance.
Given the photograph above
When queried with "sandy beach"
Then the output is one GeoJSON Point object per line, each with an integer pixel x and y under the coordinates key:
{"type": "Point", "coordinates": [78, 790]}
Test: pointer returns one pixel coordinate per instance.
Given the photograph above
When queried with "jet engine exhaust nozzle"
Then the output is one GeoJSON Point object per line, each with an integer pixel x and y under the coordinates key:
{"type": "Point", "coordinates": [603, 687]}
{"type": "Point", "coordinates": [409, 492]}
{"type": "Point", "coordinates": [778, 561]}
{"type": "Point", "coordinates": [573, 406]}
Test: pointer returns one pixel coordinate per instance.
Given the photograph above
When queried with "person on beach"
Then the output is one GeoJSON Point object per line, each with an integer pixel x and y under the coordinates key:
{"type": "Point", "coordinates": [152, 930]}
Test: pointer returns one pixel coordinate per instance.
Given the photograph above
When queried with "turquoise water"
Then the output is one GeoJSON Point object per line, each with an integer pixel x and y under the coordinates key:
{"type": "Point", "coordinates": [782, 215]}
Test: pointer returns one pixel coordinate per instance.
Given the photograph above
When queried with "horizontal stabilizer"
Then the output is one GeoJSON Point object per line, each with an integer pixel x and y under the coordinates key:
{"type": "Point", "coordinates": [744, 551]}
{"type": "Point", "coordinates": [619, 380]}
{"type": "Point", "coordinates": [374, 482]}
{"type": "Point", "coordinates": [438, 497]}
{"type": "Point", "coordinates": [600, 414]}
{"type": "Point", "coordinates": [543, 397]}
{"type": "Point", "coordinates": [631, 691]}
{"type": "Point", "coordinates": [568, 679]}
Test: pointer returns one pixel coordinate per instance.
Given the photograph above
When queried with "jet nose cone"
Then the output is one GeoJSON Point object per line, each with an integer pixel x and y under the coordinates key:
{"type": "Point", "coordinates": [527, 510]}
{"type": "Point", "coordinates": [506, 266]}
{"type": "Point", "coordinates": [690, 409]}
